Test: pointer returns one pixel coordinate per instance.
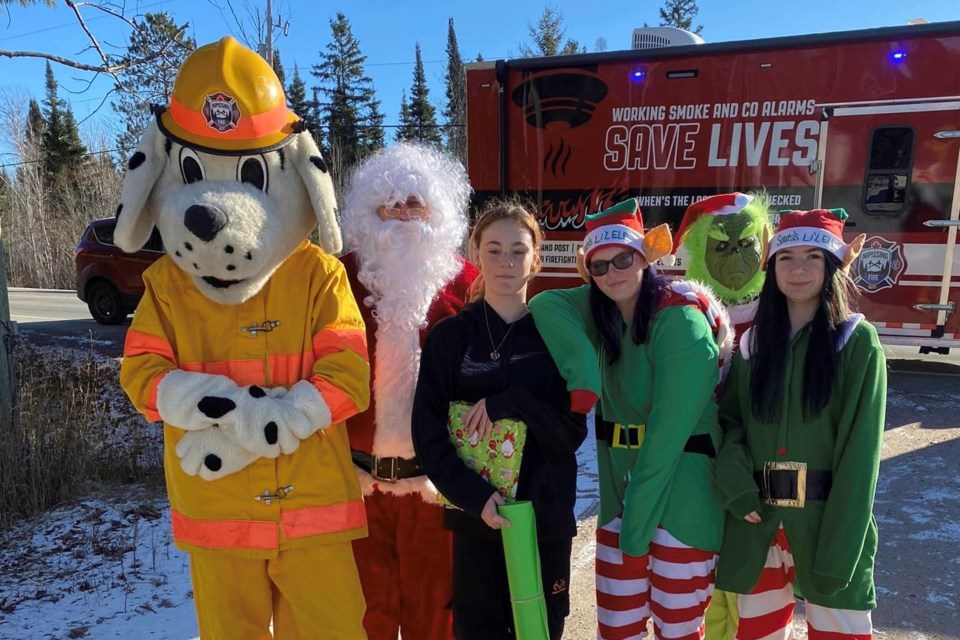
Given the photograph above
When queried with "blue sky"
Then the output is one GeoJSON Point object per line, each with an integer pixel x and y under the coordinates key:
{"type": "Point", "coordinates": [388, 30]}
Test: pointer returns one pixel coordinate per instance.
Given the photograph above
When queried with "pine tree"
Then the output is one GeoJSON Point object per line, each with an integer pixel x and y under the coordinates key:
{"type": "Point", "coordinates": [61, 150]}
{"type": "Point", "coordinates": [352, 113]}
{"type": "Point", "coordinates": [302, 106]}
{"type": "Point", "coordinates": [407, 130]}
{"type": "Point", "coordinates": [455, 113]}
{"type": "Point", "coordinates": [680, 14]}
{"type": "Point", "coordinates": [150, 83]}
{"type": "Point", "coordinates": [423, 115]}
{"type": "Point", "coordinates": [35, 122]}
{"type": "Point", "coordinates": [278, 68]}
{"type": "Point", "coordinates": [547, 36]}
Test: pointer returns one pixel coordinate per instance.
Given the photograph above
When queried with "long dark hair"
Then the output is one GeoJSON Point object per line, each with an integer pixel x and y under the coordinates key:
{"type": "Point", "coordinates": [609, 321]}
{"type": "Point", "coordinates": [771, 341]}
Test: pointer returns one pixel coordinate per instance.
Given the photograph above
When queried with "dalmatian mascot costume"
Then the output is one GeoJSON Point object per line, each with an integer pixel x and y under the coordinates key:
{"type": "Point", "coordinates": [249, 347]}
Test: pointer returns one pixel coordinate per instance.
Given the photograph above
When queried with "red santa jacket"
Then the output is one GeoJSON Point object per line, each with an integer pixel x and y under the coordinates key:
{"type": "Point", "coordinates": [451, 299]}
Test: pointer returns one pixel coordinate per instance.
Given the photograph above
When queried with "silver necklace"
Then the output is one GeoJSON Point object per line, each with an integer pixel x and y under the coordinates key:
{"type": "Point", "coordinates": [495, 354]}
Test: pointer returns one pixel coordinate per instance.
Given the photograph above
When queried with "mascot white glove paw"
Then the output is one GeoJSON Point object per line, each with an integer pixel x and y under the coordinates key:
{"type": "Point", "coordinates": [212, 454]}
{"type": "Point", "coordinates": [179, 395]}
{"type": "Point", "coordinates": [260, 422]}
{"type": "Point", "coordinates": [305, 398]}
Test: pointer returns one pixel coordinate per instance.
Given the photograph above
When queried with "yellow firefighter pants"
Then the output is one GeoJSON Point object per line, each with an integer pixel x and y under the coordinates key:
{"type": "Point", "coordinates": [312, 593]}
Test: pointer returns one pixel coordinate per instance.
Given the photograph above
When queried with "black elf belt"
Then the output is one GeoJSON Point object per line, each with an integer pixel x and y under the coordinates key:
{"type": "Point", "coordinates": [630, 436]}
{"type": "Point", "coordinates": [387, 469]}
{"type": "Point", "coordinates": [791, 484]}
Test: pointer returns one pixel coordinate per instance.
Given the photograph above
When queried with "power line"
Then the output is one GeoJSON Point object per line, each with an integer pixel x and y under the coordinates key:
{"type": "Point", "coordinates": [74, 23]}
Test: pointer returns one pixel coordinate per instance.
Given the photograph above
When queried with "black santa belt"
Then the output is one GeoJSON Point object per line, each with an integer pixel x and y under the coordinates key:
{"type": "Point", "coordinates": [387, 469]}
{"type": "Point", "coordinates": [791, 484]}
{"type": "Point", "coordinates": [622, 436]}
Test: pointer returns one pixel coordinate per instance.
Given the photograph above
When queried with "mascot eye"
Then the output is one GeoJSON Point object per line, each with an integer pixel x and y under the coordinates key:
{"type": "Point", "coordinates": [723, 246]}
{"type": "Point", "coordinates": [746, 242]}
{"type": "Point", "coordinates": [253, 171]}
{"type": "Point", "coordinates": [191, 169]}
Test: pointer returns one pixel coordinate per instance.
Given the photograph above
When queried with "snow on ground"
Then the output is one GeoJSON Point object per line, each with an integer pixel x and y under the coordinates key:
{"type": "Point", "coordinates": [106, 568]}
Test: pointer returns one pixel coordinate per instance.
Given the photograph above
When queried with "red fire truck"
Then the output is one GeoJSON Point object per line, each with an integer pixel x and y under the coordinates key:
{"type": "Point", "coordinates": [864, 120]}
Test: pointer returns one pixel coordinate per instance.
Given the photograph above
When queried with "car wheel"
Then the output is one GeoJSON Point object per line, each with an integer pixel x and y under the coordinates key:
{"type": "Point", "coordinates": [105, 304]}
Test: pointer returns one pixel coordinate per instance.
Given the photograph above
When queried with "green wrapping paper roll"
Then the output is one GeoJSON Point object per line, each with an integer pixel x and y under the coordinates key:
{"type": "Point", "coordinates": [523, 571]}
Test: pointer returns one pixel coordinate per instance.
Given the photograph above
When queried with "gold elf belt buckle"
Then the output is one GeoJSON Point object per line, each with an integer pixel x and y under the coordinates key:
{"type": "Point", "coordinates": [797, 485]}
{"type": "Point", "coordinates": [628, 436]}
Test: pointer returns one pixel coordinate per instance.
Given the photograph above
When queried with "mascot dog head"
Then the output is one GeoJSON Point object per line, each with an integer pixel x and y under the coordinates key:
{"type": "Point", "coordinates": [228, 175]}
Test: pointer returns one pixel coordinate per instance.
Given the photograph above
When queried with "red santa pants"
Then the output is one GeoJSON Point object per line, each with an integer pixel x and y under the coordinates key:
{"type": "Point", "coordinates": [766, 613]}
{"type": "Point", "coordinates": [405, 568]}
{"type": "Point", "coordinates": [672, 582]}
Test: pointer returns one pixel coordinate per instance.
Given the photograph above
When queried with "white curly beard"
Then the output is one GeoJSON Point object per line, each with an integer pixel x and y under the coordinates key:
{"type": "Point", "coordinates": [404, 265]}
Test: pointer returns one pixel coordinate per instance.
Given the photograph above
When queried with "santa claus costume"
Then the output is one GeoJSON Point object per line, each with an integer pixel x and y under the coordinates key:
{"type": "Point", "coordinates": [403, 223]}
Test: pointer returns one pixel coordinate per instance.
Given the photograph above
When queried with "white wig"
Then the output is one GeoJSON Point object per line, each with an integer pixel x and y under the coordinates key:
{"type": "Point", "coordinates": [393, 173]}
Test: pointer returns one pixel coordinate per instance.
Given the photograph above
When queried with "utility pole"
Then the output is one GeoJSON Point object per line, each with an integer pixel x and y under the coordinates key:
{"type": "Point", "coordinates": [269, 55]}
{"type": "Point", "coordinates": [8, 382]}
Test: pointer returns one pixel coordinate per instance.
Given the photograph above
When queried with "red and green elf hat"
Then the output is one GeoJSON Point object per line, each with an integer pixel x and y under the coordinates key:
{"type": "Point", "coordinates": [622, 224]}
{"type": "Point", "coordinates": [723, 204]}
{"type": "Point", "coordinates": [821, 228]}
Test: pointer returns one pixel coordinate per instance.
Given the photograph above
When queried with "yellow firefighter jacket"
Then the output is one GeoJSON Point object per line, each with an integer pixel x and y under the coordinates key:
{"type": "Point", "coordinates": [303, 325]}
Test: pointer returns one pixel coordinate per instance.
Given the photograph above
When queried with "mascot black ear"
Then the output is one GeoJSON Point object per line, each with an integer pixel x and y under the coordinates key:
{"type": "Point", "coordinates": [315, 174]}
{"type": "Point", "coordinates": [135, 215]}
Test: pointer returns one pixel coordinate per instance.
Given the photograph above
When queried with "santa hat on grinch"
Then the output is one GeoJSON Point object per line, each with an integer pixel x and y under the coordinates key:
{"type": "Point", "coordinates": [821, 228]}
{"type": "Point", "coordinates": [723, 204]}
{"type": "Point", "coordinates": [622, 224]}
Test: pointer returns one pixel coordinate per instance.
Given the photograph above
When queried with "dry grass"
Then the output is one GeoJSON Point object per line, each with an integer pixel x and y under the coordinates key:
{"type": "Point", "coordinates": [72, 426]}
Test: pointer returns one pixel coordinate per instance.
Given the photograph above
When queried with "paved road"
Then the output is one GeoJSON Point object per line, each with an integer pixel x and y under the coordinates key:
{"type": "Point", "coordinates": [59, 317]}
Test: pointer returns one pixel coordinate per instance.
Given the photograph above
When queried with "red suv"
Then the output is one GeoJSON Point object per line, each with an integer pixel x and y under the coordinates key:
{"type": "Point", "coordinates": [109, 280]}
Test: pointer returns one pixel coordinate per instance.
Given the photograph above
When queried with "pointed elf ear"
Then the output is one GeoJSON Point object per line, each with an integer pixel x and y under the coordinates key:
{"type": "Point", "coordinates": [582, 265]}
{"type": "Point", "coordinates": [765, 248]}
{"type": "Point", "coordinates": [853, 250]}
{"type": "Point", "coordinates": [657, 243]}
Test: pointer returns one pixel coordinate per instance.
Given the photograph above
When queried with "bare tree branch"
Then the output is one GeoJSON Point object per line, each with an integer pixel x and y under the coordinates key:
{"type": "Point", "coordinates": [111, 12]}
{"type": "Point", "coordinates": [107, 68]}
{"type": "Point", "coordinates": [93, 39]}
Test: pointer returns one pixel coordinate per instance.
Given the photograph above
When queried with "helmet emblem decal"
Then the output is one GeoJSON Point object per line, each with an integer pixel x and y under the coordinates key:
{"type": "Point", "coordinates": [221, 112]}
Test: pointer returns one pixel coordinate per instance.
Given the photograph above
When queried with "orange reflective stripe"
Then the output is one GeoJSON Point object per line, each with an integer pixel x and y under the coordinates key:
{"type": "Point", "coordinates": [225, 534]}
{"type": "Point", "coordinates": [328, 341]}
{"type": "Point", "coordinates": [288, 369]}
{"type": "Point", "coordinates": [341, 405]}
{"type": "Point", "coordinates": [330, 518]}
{"type": "Point", "coordinates": [248, 127]}
{"type": "Point", "coordinates": [139, 343]}
{"type": "Point", "coordinates": [243, 372]}
{"type": "Point", "coordinates": [151, 409]}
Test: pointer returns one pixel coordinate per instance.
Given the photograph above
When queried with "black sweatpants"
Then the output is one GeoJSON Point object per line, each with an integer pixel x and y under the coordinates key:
{"type": "Point", "coordinates": [481, 595]}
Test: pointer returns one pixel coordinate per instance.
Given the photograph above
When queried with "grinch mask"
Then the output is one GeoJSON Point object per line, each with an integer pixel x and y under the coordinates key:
{"type": "Point", "coordinates": [732, 253]}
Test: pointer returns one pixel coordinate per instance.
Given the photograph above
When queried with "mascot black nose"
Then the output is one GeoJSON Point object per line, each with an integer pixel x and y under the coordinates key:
{"type": "Point", "coordinates": [204, 221]}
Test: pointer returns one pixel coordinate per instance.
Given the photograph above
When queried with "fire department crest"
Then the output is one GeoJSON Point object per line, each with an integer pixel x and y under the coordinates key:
{"type": "Point", "coordinates": [221, 112]}
{"type": "Point", "coordinates": [879, 266]}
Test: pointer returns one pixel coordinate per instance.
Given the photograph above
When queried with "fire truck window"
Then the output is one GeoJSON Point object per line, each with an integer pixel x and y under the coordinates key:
{"type": "Point", "coordinates": [888, 170]}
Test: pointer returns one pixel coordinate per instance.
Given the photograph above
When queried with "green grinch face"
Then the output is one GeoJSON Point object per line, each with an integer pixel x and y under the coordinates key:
{"type": "Point", "coordinates": [733, 252]}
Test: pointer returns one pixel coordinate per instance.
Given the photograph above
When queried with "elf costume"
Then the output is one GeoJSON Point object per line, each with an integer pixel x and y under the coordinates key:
{"type": "Point", "coordinates": [660, 521]}
{"type": "Point", "coordinates": [810, 478]}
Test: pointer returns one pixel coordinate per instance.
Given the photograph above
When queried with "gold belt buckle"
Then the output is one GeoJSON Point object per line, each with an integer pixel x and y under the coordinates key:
{"type": "Point", "coordinates": [801, 469]}
{"type": "Point", "coordinates": [619, 430]}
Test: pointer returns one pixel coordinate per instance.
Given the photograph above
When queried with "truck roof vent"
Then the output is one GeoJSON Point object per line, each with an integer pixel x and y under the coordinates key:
{"type": "Point", "coordinates": [657, 37]}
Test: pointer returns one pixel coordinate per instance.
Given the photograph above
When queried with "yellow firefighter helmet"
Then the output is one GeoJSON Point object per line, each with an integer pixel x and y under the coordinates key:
{"type": "Point", "coordinates": [227, 100]}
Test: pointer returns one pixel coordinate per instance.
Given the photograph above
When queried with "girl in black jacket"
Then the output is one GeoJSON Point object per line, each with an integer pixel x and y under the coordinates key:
{"type": "Point", "coordinates": [491, 356]}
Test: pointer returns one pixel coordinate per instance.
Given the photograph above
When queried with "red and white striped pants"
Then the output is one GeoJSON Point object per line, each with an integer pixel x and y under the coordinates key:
{"type": "Point", "coordinates": [766, 613]}
{"type": "Point", "coordinates": [673, 582]}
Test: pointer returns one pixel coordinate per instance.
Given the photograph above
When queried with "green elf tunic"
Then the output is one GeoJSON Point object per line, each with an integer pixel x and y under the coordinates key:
{"type": "Point", "coordinates": [834, 541]}
{"type": "Point", "coordinates": [666, 384]}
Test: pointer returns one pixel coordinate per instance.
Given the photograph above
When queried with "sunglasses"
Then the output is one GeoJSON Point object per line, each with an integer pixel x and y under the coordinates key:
{"type": "Point", "coordinates": [621, 261]}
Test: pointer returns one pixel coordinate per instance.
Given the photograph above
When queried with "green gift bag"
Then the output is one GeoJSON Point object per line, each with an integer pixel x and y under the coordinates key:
{"type": "Point", "coordinates": [523, 571]}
